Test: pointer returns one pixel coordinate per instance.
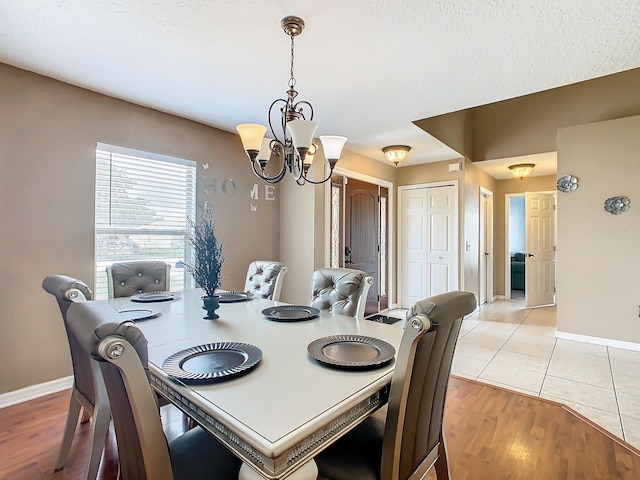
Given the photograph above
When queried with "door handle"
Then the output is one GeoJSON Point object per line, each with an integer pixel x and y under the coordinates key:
{"type": "Point", "coordinates": [347, 253]}
{"type": "Point", "coordinates": [530, 255]}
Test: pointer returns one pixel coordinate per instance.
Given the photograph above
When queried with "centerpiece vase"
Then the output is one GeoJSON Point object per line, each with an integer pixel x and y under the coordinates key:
{"type": "Point", "coordinates": [211, 304]}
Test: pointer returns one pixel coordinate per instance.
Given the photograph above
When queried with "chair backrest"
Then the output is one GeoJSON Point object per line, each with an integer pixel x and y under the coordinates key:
{"type": "Point", "coordinates": [125, 279]}
{"type": "Point", "coordinates": [67, 290]}
{"type": "Point", "coordinates": [341, 290]}
{"type": "Point", "coordinates": [264, 279]}
{"type": "Point", "coordinates": [413, 429]}
{"type": "Point", "coordinates": [121, 349]}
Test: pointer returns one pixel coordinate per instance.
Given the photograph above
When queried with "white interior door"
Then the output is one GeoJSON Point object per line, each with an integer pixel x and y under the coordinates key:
{"type": "Point", "coordinates": [413, 232]}
{"type": "Point", "coordinates": [539, 262]}
{"type": "Point", "coordinates": [442, 260]}
{"type": "Point", "coordinates": [429, 242]}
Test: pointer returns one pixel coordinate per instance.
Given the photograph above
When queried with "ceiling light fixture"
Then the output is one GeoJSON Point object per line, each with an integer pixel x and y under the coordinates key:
{"type": "Point", "coordinates": [295, 147]}
{"type": "Point", "coordinates": [522, 169]}
{"type": "Point", "coordinates": [396, 153]}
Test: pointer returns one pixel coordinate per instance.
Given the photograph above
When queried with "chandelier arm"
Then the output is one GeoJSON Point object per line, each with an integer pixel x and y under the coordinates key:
{"type": "Point", "coordinates": [320, 181]}
{"type": "Point", "coordinates": [273, 132]}
{"type": "Point", "coordinates": [299, 109]}
{"type": "Point", "coordinates": [274, 179]}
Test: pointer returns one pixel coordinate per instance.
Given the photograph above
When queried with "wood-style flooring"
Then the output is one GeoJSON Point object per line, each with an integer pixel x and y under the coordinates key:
{"type": "Point", "coordinates": [492, 434]}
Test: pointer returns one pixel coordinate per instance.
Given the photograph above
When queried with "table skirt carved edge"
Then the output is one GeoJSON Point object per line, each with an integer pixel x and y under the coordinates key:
{"type": "Point", "coordinates": [273, 468]}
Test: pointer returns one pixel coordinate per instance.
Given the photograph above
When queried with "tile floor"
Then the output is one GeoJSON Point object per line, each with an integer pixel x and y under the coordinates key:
{"type": "Point", "coordinates": [514, 347]}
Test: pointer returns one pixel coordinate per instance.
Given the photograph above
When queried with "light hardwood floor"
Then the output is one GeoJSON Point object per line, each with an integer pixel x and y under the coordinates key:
{"type": "Point", "coordinates": [492, 434]}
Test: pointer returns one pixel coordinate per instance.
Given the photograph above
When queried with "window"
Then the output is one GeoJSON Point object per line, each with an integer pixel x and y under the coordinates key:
{"type": "Point", "coordinates": [143, 201]}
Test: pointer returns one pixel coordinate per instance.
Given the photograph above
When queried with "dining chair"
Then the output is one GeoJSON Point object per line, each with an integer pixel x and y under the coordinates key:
{"type": "Point", "coordinates": [88, 393]}
{"type": "Point", "coordinates": [404, 440]}
{"type": "Point", "coordinates": [340, 290]}
{"type": "Point", "coordinates": [264, 279]}
{"type": "Point", "coordinates": [120, 348]}
{"type": "Point", "coordinates": [125, 279]}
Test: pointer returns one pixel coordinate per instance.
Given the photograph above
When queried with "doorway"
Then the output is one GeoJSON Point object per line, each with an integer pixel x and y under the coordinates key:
{"type": "Point", "coordinates": [359, 233]}
{"type": "Point", "coordinates": [530, 254]}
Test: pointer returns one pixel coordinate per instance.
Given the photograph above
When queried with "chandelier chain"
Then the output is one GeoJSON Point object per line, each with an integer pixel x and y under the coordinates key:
{"type": "Point", "coordinates": [292, 80]}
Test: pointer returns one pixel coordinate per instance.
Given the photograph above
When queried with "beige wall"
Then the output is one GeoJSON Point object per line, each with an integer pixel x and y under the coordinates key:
{"type": "Point", "coordinates": [528, 124]}
{"type": "Point", "coordinates": [48, 134]}
{"type": "Point", "coordinates": [597, 261]}
{"type": "Point", "coordinates": [474, 179]}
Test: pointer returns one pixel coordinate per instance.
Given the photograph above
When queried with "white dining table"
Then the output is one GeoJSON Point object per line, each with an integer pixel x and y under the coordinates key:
{"type": "Point", "coordinates": [280, 414]}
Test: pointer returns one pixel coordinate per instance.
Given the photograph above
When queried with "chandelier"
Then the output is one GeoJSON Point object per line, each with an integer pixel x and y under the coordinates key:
{"type": "Point", "coordinates": [292, 145]}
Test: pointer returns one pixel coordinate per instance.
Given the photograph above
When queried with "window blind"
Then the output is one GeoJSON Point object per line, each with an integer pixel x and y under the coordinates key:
{"type": "Point", "coordinates": [143, 201]}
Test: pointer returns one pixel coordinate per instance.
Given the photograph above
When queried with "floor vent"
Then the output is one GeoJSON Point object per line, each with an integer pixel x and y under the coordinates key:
{"type": "Point", "coordinates": [382, 319]}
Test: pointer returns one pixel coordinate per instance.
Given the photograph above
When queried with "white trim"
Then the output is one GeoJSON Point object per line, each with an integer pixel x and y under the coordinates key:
{"type": "Point", "coordinates": [35, 391]}
{"type": "Point", "coordinates": [485, 268]}
{"type": "Point", "coordinates": [130, 152]}
{"type": "Point", "coordinates": [607, 342]}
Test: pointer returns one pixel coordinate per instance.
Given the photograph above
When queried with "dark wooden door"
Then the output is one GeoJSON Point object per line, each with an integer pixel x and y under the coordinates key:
{"type": "Point", "coordinates": [362, 233]}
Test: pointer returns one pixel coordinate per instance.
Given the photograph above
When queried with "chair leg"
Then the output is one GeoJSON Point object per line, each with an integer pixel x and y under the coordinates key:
{"type": "Point", "coordinates": [69, 429]}
{"type": "Point", "coordinates": [442, 465]}
{"type": "Point", "coordinates": [86, 416]}
{"type": "Point", "coordinates": [101, 420]}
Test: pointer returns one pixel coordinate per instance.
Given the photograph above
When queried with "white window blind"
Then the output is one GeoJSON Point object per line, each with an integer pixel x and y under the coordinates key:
{"type": "Point", "coordinates": [143, 201]}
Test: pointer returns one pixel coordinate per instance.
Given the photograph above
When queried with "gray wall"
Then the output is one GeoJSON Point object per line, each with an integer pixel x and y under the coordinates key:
{"type": "Point", "coordinates": [48, 134]}
{"type": "Point", "coordinates": [598, 266]}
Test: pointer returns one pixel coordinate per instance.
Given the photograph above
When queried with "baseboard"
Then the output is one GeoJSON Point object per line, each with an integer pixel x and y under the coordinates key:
{"type": "Point", "coordinates": [607, 342]}
{"type": "Point", "coordinates": [35, 391]}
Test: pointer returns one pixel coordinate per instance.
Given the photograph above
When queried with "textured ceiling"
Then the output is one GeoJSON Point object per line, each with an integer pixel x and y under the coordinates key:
{"type": "Point", "coordinates": [369, 67]}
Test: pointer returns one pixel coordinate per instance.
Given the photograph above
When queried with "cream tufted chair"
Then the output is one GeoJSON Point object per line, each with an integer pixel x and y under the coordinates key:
{"type": "Point", "coordinates": [404, 440]}
{"type": "Point", "coordinates": [340, 290]}
{"type": "Point", "coordinates": [131, 278]}
{"type": "Point", "coordinates": [88, 392]}
{"type": "Point", "coordinates": [264, 279]}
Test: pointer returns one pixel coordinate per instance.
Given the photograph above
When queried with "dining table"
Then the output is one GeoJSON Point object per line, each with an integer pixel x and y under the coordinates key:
{"type": "Point", "coordinates": [276, 383]}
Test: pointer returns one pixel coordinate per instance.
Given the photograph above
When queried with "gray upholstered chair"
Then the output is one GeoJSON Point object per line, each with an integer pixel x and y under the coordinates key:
{"type": "Point", "coordinates": [143, 451]}
{"type": "Point", "coordinates": [404, 440]}
{"type": "Point", "coordinates": [88, 393]}
{"type": "Point", "coordinates": [264, 279]}
{"type": "Point", "coordinates": [125, 279]}
{"type": "Point", "coordinates": [340, 290]}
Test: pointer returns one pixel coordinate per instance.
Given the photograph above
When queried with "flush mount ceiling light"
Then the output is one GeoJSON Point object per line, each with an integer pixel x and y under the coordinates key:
{"type": "Point", "coordinates": [294, 145]}
{"type": "Point", "coordinates": [522, 169]}
{"type": "Point", "coordinates": [396, 153]}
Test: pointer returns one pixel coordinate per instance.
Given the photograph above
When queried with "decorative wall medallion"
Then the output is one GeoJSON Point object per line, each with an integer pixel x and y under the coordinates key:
{"type": "Point", "coordinates": [567, 184]}
{"type": "Point", "coordinates": [617, 205]}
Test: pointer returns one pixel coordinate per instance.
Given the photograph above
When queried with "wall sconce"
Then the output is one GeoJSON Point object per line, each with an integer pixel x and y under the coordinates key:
{"type": "Point", "coordinates": [522, 169]}
{"type": "Point", "coordinates": [396, 153]}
